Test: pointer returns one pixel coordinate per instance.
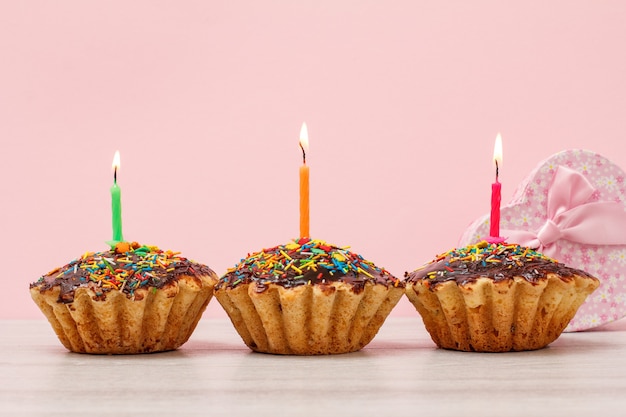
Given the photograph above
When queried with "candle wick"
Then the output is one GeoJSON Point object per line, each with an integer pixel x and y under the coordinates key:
{"type": "Point", "coordinates": [497, 170]}
{"type": "Point", "coordinates": [303, 154]}
{"type": "Point", "coordinates": [115, 175]}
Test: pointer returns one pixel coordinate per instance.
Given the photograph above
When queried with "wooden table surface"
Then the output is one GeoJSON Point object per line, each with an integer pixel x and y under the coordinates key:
{"type": "Point", "coordinates": [400, 373]}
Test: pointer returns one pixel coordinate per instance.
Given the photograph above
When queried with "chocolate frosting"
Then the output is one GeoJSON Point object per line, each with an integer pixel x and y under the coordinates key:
{"type": "Point", "coordinates": [306, 262]}
{"type": "Point", "coordinates": [494, 261]}
{"type": "Point", "coordinates": [127, 271]}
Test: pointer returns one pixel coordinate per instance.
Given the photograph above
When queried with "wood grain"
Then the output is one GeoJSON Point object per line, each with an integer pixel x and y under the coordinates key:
{"type": "Point", "coordinates": [400, 373]}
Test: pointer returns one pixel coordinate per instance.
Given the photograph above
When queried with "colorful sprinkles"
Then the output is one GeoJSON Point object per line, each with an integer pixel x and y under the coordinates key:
{"type": "Point", "coordinates": [496, 261]}
{"type": "Point", "coordinates": [306, 261]}
{"type": "Point", "coordinates": [127, 268]}
{"type": "Point", "coordinates": [492, 253]}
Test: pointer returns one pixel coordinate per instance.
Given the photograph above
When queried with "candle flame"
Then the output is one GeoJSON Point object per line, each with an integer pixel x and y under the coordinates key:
{"type": "Point", "coordinates": [304, 137]}
{"type": "Point", "coordinates": [116, 161]}
{"type": "Point", "coordinates": [497, 151]}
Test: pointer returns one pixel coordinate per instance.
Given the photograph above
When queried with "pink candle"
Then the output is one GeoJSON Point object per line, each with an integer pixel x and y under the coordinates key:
{"type": "Point", "coordinates": [494, 230]}
{"type": "Point", "coordinates": [496, 188]}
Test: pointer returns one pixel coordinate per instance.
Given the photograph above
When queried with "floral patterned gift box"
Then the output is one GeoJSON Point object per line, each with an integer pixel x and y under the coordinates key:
{"type": "Point", "coordinates": [572, 207]}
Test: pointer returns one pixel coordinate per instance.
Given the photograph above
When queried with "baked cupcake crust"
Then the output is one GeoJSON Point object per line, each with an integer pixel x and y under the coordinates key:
{"type": "Point", "coordinates": [496, 298]}
{"type": "Point", "coordinates": [134, 299]}
{"type": "Point", "coordinates": [307, 298]}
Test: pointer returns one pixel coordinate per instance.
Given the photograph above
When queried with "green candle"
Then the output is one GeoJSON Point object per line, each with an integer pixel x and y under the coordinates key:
{"type": "Point", "coordinates": [116, 204]}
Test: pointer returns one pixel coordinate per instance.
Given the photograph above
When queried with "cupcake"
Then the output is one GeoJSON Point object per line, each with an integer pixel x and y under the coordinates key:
{"type": "Point", "coordinates": [307, 298]}
{"type": "Point", "coordinates": [496, 297]}
{"type": "Point", "coordinates": [132, 299]}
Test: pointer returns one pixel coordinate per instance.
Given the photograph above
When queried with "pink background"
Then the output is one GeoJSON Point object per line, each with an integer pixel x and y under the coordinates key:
{"type": "Point", "coordinates": [204, 100]}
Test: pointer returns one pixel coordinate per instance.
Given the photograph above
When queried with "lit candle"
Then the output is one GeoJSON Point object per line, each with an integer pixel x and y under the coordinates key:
{"type": "Point", "coordinates": [304, 183]}
{"type": "Point", "coordinates": [496, 188]}
{"type": "Point", "coordinates": [116, 203]}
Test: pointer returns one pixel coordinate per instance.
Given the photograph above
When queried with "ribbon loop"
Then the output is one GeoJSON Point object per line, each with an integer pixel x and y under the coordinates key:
{"type": "Point", "coordinates": [571, 216]}
{"type": "Point", "coordinates": [549, 233]}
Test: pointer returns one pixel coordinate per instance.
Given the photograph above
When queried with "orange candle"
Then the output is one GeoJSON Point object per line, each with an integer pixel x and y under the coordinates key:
{"type": "Point", "coordinates": [304, 184]}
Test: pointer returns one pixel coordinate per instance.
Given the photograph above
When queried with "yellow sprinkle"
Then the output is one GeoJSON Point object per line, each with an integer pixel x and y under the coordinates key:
{"type": "Point", "coordinates": [308, 264]}
{"type": "Point", "coordinates": [170, 269]}
{"type": "Point", "coordinates": [285, 255]}
{"type": "Point", "coordinates": [339, 257]}
{"type": "Point", "coordinates": [292, 246]}
{"type": "Point", "coordinates": [364, 272]}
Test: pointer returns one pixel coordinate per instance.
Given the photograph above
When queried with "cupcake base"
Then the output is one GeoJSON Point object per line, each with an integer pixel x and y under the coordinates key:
{"type": "Point", "coordinates": [308, 319]}
{"type": "Point", "coordinates": [155, 320]}
{"type": "Point", "coordinates": [502, 316]}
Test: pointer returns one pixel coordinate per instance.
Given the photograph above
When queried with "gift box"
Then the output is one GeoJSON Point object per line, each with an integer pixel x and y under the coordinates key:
{"type": "Point", "coordinates": [572, 207]}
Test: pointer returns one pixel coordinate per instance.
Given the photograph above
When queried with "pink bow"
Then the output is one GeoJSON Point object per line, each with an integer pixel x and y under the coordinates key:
{"type": "Point", "coordinates": [571, 217]}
